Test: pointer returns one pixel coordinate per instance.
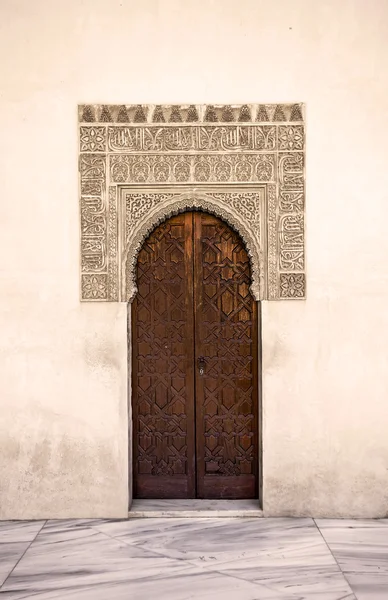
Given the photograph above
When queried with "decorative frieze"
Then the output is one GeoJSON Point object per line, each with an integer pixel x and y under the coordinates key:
{"type": "Point", "coordinates": [216, 138]}
{"type": "Point", "coordinates": [244, 163]}
{"type": "Point", "coordinates": [204, 168]}
{"type": "Point", "coordinates": [193, 113]}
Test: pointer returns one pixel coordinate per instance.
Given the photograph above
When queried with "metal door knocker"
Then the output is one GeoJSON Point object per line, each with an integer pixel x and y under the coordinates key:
{"type": "Point", "coordinates": [201, 365]}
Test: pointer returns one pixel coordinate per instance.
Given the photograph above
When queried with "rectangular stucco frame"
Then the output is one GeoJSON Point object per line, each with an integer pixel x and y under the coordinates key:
{"type": "Point", "coordinates": [139, 164]}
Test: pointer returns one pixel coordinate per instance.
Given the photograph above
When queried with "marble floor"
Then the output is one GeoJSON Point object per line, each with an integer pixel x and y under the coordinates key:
{"type": "Point", "coordinates": [197, 558]}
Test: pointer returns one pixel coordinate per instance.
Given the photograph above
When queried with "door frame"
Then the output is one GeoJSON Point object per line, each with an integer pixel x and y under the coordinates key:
{"type": "Point", "coordinates": [193, 147]}
{"type": "Point", "coordinates": [259, 377]}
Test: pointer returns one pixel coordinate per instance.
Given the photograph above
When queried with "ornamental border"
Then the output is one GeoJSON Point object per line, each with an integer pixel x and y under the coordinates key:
{"type": "Point", "coordinates": [244, 163]}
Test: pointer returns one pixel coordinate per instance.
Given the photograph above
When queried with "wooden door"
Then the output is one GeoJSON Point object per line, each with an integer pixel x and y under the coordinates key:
{"type": "Point", "coordinates": [163, 364]}
{"type": "Point", "coordinates": [194, 364]}
{"type": "Point", "coordinates": [226, 336]}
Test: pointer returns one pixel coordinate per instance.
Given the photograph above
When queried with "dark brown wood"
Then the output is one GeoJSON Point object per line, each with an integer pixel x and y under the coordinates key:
{"type": "Point", "coordinates": [195, 435]}
{"type": "Point", "coordinates": [163, 364]}
{"type": "Point", "coordinates": [226, 337]}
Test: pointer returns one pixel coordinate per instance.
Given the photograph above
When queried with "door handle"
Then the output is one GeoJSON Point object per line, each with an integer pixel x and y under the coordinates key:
{"type": "Point", "coordinates": [201, 365]}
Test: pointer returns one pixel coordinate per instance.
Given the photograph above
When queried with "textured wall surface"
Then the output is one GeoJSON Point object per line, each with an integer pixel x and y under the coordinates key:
{"type": "Point", "coordinates": [63, 364]}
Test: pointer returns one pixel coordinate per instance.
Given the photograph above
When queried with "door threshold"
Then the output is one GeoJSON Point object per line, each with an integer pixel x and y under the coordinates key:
{"type": "Point", "coordinates": [184, 509]}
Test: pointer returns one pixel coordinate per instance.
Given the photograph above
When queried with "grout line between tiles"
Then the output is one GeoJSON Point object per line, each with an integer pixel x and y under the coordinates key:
{"type": "Point", "coordinates": [22, 556]}
{"type": "Point", "coordinates": [336, 561]}
{"type": "Point", "coordinates": [185, 561]}
{"type": "Point", "coordinates": [205, 568]}
{"type": "Point", "coordinates": [123, 541]}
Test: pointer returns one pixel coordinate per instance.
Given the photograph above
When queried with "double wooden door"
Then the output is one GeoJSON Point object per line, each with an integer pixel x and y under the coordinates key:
{"type": "Point", "coordinates": [194, 364]}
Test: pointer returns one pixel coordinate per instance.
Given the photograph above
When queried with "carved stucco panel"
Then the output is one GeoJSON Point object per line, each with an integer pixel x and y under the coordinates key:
{"type": "Point", "coordinates": [243, 210]}
{"type": "Point", "coordinates": [210, 157]}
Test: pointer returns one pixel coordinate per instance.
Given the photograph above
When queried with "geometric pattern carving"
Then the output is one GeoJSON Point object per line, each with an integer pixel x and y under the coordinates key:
{"type": "Point", "coordinates": [93, 139]}
{"type": "Point", "coordinates": [160, 355]}
{"type": "Point", "coordinates": [193, 274]}
{"type": "Point", "coordinates": [198, 149]}
{"type": "Point", "coordinates": [94, 286]}
{"type": "Point", "coordinates": [226, 339]}
{"type": "Point", "coordinates": [292, 286]}
{"type": "Point", "coordinates": [242, 209]}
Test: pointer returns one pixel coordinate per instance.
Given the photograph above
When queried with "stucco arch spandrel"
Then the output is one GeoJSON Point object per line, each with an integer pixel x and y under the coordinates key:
{"type": "Point", "coordinates": [139, 228]}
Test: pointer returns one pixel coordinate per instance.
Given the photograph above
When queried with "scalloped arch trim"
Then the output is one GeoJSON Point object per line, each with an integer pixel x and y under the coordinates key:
{"type": "Point", "coordinates": [181, 203]}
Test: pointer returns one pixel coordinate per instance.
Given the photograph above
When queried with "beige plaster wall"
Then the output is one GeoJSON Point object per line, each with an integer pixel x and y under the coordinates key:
{"type": "Point", "coordinates": [63, 374]}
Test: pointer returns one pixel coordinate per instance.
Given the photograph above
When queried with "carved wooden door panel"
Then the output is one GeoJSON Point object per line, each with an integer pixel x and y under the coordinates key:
{"type": "Point", "coordinates": [194, 364]}
{"type": "Point", "coordinates": [226, 338]}
{"type": "Point", "coordinates": [163, 364]}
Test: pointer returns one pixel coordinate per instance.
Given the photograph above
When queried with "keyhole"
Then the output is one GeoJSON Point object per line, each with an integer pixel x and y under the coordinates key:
{"type": "Point", "coordinates": [201, 365]}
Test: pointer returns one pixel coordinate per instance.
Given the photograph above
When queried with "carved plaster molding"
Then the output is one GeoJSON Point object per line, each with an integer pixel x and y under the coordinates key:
{"type": "Point", "coordinates": [193, 113]}
{"type": "Point", "coordinates": [141, 164]}
{"type": "Point", "coordinates": [241, 209]}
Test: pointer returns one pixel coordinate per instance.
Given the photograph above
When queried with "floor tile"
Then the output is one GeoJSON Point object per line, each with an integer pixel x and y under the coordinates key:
{"type": "Point", "coordinates": [359, 546]}
{"type": "Point", "coordinates": [191, 538]}
{"type": "Point", "coordinates": [369, 587]}
{"type": "Point", "coordinates": [67, 559]}
{"type": "Point", "coordinates": [204, 558]}
{"type": "Point", "coordinates": [10, 554]}
{"type": "Point", "coordinates": [284, 558]}
{"type": "Point", "coordinates": [361, 549]}
{"type": "Point", "coordinates": [184, 586]}
{"type": "Point", "coordinates": [19, 531]}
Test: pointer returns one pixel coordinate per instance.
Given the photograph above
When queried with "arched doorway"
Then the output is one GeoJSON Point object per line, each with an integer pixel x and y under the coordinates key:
{"type": "Point", "coordinates": [194, 363]}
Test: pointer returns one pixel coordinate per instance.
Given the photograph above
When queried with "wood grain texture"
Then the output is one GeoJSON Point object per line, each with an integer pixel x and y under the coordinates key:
{"type": "Point", "coordinates": [195, 434]}
{"type": "Point", "coordinates": [226, 400]}
{"type": "Point", "coordinates": [163, 360]}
